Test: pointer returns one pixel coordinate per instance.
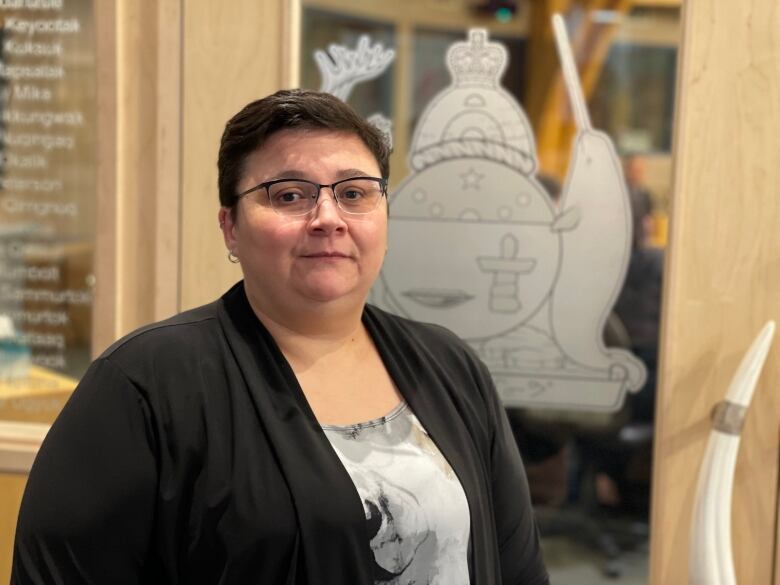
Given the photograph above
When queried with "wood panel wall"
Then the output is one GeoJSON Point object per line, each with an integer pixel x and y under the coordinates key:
{"type": "Point", "coordinates": [12, 488]}
{"type": "Point", "coordinates": [171, 73]}
{"type": "Point", "coordinates": [19, 442]}
{"type": "Point", "coordinates": [232, 54]}
{"type": "Point", "coordinates": [722, 279]}
{"type": "Point", "coordinates": [138, 49]}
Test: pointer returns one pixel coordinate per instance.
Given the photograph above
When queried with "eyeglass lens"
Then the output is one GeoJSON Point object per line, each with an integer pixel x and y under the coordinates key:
{"type": "Point", "coordinates": [300, 197]}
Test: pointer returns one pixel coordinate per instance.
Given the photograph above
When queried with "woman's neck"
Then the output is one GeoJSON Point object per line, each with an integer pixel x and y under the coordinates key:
{"type": "Point", "coordinates": [305, 336]}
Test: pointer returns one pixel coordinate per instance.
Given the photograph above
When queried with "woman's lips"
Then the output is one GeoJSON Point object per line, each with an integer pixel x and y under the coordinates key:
{"type": "Point", "coordinates": [326, 255]}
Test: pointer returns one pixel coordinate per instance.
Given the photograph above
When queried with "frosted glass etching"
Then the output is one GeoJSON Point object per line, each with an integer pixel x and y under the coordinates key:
{"type": "Point", "coordinates": [477, 245]}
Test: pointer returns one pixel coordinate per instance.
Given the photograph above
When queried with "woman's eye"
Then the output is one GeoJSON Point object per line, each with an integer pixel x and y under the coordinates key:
{"type": "Point", "coordinates": [287, 197]}
{"type": "Point", "coordinates": [351, 194]}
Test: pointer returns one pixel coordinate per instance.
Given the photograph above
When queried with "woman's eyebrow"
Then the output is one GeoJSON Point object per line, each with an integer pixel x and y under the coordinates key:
{"type": "Point", "coordinates": [348, 173]}
{"type": "Point", "coordinates": [289, 174]}
{"type": "Point", "coordinates": [298, 174]}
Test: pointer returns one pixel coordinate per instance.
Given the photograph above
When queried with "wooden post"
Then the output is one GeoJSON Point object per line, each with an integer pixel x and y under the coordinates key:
{"type": "Point", "coordinates": [139, 119]}
{"type": "Point", "coordinates": [232, 55]}
{"type": "Point", "coordinates": [722, 279]}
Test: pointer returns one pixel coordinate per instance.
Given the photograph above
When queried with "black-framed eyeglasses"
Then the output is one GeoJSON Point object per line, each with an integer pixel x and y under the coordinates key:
{"type": "Point", "coordinates": [356, 195]}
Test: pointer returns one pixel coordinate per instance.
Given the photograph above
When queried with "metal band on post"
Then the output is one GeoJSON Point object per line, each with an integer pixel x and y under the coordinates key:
{"type": "Point", "coordinates": [728, 417]}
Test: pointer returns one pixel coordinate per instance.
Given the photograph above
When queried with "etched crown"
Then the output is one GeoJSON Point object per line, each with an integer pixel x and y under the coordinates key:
{"type": "Point", "coordinates": [477, 61]}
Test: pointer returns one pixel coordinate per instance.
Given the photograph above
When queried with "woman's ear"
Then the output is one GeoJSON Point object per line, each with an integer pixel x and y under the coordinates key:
{"type": "Point", "coordinates": [228, 226]}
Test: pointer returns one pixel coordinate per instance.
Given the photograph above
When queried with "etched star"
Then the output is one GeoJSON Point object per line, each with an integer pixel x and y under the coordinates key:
{"type": "Point", "coordinates": [471, 179]}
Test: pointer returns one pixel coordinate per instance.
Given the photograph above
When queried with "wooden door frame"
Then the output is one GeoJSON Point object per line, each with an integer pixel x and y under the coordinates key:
{"type": "Point", "coordinates": [722, 280]}
{"type": "Point", "coordinates": [138, 242]}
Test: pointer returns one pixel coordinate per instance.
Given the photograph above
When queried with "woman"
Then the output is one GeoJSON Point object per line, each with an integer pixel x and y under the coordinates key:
{"type": "Point", "coordinates": [288, 432]}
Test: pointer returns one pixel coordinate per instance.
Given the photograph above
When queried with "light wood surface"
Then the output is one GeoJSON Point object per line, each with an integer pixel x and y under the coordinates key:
{"type": "Point", "coordinates": [135, 164]}
{"type": "Point", "coordinates": [231, 57]}
{"type": "Point", "coordinates": [137, 248]}
{"type": "Point", "coordinates": [291, 44]}
{"type": "Point", "coordinates": [438, 14]}
{"type": "Point", "coordinates": [167, 235]}
{"type": "Point", "coordinates": [104, 305]}
{"type": "Point", "coordinates": [12, 488]}
{"type": "Point", "coordinates": [654, 29]}
{"type": "Point", "coordinates": [722, 279]}
{"type": "Point", "coordinates": [19, 444]}
{"type": "Point", "coordinates": [658, 3]}
{"type": "Point", "coordinates": [37, 397]}
{"type": "Point", "coordinates": [776, 580]}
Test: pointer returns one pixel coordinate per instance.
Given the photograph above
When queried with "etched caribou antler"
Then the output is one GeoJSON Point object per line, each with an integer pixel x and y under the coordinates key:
{"type": "Point", "coordinates": [343, 68]}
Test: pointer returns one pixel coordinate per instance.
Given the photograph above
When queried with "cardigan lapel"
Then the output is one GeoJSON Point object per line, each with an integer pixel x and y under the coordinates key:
{"type": "Point", "coordinates": [333, 534]}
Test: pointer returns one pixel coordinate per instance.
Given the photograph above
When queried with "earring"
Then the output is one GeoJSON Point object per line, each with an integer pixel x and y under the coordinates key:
{"type": "Point", "coordinates": [233, 258]}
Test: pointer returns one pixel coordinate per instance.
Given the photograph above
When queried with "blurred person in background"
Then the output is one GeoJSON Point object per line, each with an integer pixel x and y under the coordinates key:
{"type": "Point", "coordinates": [623, 476]}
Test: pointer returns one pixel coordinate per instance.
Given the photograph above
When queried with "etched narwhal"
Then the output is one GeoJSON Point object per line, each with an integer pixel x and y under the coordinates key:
{"type": "Point", "coordinates": [592, 264]}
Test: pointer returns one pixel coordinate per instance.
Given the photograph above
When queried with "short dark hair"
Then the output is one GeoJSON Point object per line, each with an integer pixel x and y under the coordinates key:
{"type": "Point", "coordinates": [301, 109]}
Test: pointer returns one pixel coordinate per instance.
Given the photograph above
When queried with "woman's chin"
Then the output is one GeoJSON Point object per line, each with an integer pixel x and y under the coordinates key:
{"type": "Point", "coordinates": [326, 292]}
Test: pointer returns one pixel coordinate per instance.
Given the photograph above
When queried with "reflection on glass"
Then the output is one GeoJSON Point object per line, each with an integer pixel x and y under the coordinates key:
{"type": "Point", "coordinates": [634, 99]}
{"type": "Point", "coordinates": [47, 203]}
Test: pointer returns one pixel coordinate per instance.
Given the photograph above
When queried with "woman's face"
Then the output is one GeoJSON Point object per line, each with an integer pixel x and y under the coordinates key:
{"type": "Point", "coordinates": [325, 256]}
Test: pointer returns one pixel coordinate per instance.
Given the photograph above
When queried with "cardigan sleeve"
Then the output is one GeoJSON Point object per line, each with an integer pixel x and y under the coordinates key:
{"type": "Point", "coordinates": [518, 537]}
{"type": "Point", "coordinates": [88, 507]}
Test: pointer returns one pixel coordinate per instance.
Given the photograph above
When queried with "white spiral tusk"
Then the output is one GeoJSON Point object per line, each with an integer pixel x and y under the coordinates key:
{"type": "Point", "coordinates": [711, 560]}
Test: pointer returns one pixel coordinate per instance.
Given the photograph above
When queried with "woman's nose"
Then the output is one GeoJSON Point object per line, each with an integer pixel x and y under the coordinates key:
{"type": "Point", "coordinates": [326, 194]}
{"type": "Point", "coordinates": [327, 214]}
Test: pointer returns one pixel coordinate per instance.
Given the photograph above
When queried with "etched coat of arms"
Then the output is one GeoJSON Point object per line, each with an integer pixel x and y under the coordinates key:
{"type": "Point", "coordinates": [477, 245]}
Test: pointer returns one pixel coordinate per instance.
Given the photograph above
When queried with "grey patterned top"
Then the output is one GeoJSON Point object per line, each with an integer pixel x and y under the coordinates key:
{"type": "Point", "coordinates": [416, 510]}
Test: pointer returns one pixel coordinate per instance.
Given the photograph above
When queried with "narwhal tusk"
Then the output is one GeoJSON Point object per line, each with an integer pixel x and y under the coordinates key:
{"type": "Point", "coordinates": [570, 76]}
{"type": "Point", "coordinates": [711, 561]}
{"type": "Point", "coordinates": [744, 382]}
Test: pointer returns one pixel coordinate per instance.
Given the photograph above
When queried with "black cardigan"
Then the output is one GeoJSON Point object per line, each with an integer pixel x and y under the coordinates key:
{"type": "Point", "coordinates": [188, 454]}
